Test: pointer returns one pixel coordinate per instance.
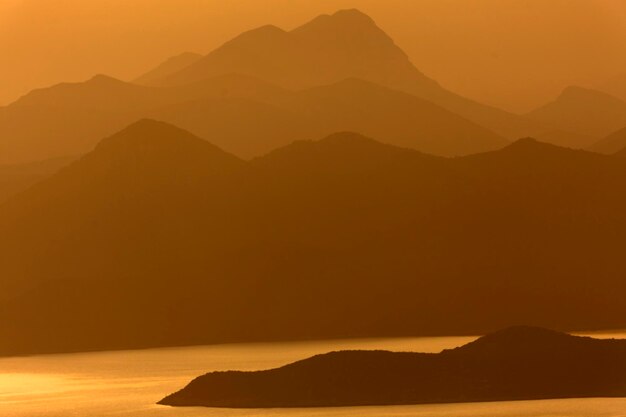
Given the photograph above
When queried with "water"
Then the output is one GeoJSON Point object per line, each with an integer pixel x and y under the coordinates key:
{"type": "Point", "coordinates": [129, 383]}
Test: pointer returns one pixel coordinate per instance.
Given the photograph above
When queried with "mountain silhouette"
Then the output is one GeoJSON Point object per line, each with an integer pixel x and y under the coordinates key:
{"type": "Point", "coordinates": [398, 118]}
{"type": "Point", "coordinates": [611, 144]}
{"type": "Point", "coordinates": [168, 67]}
{"type": "Point", "coordinates": [241, 114]}
{"type": "Point", "coordinates": [69, 118]}
{"type": "Point", "coordinates": [330, 48]}
{"type": "Point", "coordinates": [194, 246]}
{"type": "Point", "coordinates": [583, 111]}
{"type": "Point", "coordinates": [519, 363]}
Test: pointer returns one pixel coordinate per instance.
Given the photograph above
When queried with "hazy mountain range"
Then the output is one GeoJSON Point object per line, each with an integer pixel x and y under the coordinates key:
{"type": "Point", "coordinates": [427, 215]}
{"type": "Point", "coordinates": [158, 230]}
{"type": "Point", "coordinates": [268, 87]}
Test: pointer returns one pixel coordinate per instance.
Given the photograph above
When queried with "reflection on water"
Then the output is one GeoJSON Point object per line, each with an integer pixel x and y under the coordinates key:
{"type": "Point", "coordinates": [128, 383]}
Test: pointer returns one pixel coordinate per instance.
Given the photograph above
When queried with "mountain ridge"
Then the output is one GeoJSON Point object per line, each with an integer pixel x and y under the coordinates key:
{"type": "Point", "coordinates": [351, 45]}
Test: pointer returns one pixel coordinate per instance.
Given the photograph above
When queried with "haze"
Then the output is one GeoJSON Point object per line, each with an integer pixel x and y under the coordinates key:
{"type": "Point", "coordinates": [513, 54]}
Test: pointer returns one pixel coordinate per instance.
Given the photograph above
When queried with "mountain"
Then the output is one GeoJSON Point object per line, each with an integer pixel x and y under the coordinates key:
{"type": "Point", "coordinates": [330, 48]}
{"type": "Point", "coordinates": [348, 44]}
{"type": "Point", "coordinates": [519, 363]}
{"type": "Point", "coordinates": [397, 118]}
{"type": "Point", "coordinates": [611, 144]}
{"type": "Point", "coordinates": [194, 246]}
{"type": "Point", "coordinates": [170, 66]}
{"type": "Point", "coordinates": [583, 111]}
{"type": "Point", "coordinates": [69, 118]}
{"type": "Point", "coordinates": [252, 128]}
{"type": "Point", "coordinates": [16, 178]}
{"type": "Point", "coordinates": [241, 114]}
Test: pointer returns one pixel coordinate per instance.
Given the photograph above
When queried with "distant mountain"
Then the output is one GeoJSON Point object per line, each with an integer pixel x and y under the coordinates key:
{"type": "Point", "coordinates": [396, 118]}
{"type": "Point", "coordinates": [72, 118]}
{"type": "Point", "coordinates": [194, 246]}
{"type": "Point", "coordinates": [519, 363]}
{"type": "Point", "coordinates": [583, 111]}
{"type": "Point", "coordinates": [240, 114]}
{"type": "Point", "coordinates": [331, 48]}
{"type": "Point", "coordinates": [16, 178]}
{"type": "Point", "coordinates": [611, 144]}
{"type": "Point", "coordinates": [168, 67]}
{"type": "Point", "coordinates": [69, 118]}
{"type": "Point", "coordinates": [251, 128]}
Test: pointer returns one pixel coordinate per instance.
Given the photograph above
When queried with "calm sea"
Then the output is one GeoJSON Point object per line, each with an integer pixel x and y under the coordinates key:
{"type": "Point", "coordinates": [129, 383]}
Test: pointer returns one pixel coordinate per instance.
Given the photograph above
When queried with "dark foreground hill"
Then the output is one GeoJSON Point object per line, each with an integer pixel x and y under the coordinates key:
{"type": "Point", "coordinates": [158, 238]}
{"type": "Point", "coordinates": [520, 363]}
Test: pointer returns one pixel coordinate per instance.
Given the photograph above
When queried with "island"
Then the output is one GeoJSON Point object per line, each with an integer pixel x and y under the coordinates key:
{"type": "Point", "coordinates": [517, 363]}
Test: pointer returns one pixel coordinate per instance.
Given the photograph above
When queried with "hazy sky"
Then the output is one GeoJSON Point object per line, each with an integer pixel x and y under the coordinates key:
{"type": "Point", "coordinates": [510, 53]}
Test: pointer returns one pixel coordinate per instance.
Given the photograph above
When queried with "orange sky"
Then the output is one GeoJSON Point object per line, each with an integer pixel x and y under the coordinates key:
{"type": "Point", "coordinates": [511, 53]}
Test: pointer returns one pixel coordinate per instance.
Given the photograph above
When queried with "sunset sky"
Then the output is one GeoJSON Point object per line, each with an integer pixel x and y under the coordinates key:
{"type": "Point", "coordinates": [514, 54]}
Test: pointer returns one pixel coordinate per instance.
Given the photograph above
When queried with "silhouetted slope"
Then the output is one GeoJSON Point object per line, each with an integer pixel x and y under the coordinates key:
{"type": "Point", "coordinates": [194, 246]}
{"type": "Point", "coordinates": [520, 363]}
{"type": "Point", "coordinates": [99, 92]}
{"type": "Point", "coordinates": [241, 114]}
{"type": "Point", "coordinates": [583, 111]}
{"type": "Point", "coordinates": [252, 127]}
{"type": "Point", "coordinates": [330, 48]}
{"type": "Point", "coordinates": [69, 119]}
{"type": "Point", "coordinates": [135, 205]}
{"type": "Point", "coordinates": [168, 67]}
{"type": "Point", "coordinates": [613, 143]}
{"type": "Point", "coordinates": [323, 51]}
{"type": "Point", "coordinates": [16, 178]}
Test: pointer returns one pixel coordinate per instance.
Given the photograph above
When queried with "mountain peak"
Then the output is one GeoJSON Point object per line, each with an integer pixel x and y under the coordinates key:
{"type": "Point", "coordinates": [265, 32]}
{"type": "Point", "coordinates": [577, 93]}
{"type": "Point", "coordinates": [344, 21]}
{"type": "Point", "coordinates": [153, 146]}
{"type": "Point", "coordinates": [103, 79]}
{"type": "Point", "coordinates": [352, 15]}
{"type": "Point", "coordinates": [529, 144]}
{"type": "Point", "coordinates": [148, 132]}
{"type": "Point", "coordinates": [515, 338]}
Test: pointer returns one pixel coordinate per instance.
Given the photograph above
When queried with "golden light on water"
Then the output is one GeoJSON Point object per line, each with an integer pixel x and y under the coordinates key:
{"type": "Point", "coordinates": [13, 386]}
